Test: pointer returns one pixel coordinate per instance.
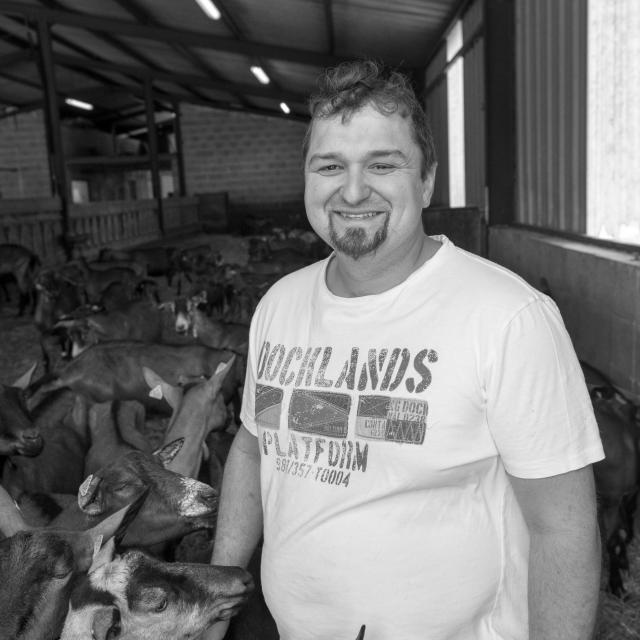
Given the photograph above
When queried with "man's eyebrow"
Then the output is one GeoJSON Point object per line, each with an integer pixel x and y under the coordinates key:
{"type": "Point", "coordinates": [323, 156]}
{"type": "Point", "coordinates": [388, 153]}
{"type": "Point", "coordinates": [379, 153]}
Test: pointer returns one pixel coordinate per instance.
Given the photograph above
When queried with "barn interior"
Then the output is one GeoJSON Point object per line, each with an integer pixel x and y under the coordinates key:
{"type": "Point", "coordinates": [138, 123]}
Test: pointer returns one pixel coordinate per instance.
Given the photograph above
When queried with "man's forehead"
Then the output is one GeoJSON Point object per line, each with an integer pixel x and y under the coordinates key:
{"type": "Point", "coordinates": [367, 125]}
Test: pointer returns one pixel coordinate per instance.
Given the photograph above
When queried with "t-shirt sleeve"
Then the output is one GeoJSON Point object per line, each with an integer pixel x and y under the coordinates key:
{"type": "Point", "coordinates": [538, 407]}
{"type": "Point", "coordinates": [248, 410]}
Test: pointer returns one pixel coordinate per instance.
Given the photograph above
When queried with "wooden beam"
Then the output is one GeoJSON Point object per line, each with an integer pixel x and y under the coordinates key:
{"type": "Point", "coordinates": [177, 130]}
{"type": "Point", "coordinates": [181, 78]}
{"type": "Point", "coordinates": [153, 152]}
{"type": "Point", "coordinates": [168, 35]}
{"type": "Point", "coordinates": [10, 59]}
{"type": "Point", "coordinates": [328, 18]}
{"type": "Point", "coordinates": [54, 135]}
{"type": "Point", "coordinates": [500, 77]}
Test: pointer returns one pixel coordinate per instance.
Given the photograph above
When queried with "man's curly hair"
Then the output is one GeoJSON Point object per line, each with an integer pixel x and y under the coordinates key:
{"type": "Point", "coordinates": [350, 86]}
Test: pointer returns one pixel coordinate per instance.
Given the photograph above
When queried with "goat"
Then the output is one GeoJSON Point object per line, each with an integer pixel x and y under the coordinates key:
{"type": "Point", "coordinates": [196, 413]}
{"type": "Point", "coordinates": [159, 261]}
{"type": "Point", "coordinates": [18, 434]}
{"type": "Point", "coordinates": [139, 320]}
{"type": "Point", "coordinates": [23, 265]}
{"type": "Point", "coordinates": [61, 418]}
{"type": "Point", "coordinates": [151, 599]}
{"type": "Point", "coordinates": [113, 370]}
{"type": "Point", "coordinates": [95, 281]}
{"type": "Point", "coordinates": [39, 568]}
{"type": "Point", "coordinates": [115, 428]}
{"type": "Point", "coordinates": [617, 476]}
{"type": "Point", "coordinates": [189, 319]}
{"type": "Point", "coordinates": [175, 505]}
{"type": "Point", "coordinates": [56, 297]}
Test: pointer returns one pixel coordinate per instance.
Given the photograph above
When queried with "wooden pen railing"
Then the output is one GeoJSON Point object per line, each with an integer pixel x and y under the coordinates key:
{"type": "Point", "coordinates": [37, 224]}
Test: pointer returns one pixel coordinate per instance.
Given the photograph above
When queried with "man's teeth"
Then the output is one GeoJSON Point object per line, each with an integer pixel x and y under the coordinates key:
{"type": "Point", "coordinates": [358, 216]}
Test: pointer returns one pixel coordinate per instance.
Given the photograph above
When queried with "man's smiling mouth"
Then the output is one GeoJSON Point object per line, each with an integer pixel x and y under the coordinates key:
{"type": "Point", "coordinates": [358, 215]}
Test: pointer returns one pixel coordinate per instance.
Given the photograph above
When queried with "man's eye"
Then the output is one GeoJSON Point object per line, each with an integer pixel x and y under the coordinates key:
{"type": "Point", "coordinates": [380, 167]}
{"type": "Point", "coordinates": [329, 168]}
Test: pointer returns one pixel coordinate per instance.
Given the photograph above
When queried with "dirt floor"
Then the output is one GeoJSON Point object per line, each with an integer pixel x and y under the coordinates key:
{"type": "Point", "coordinates": [19, 350]}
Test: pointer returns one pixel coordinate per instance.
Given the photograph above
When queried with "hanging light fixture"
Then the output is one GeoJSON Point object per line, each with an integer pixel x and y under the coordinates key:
{"type": "Point", "coordinates": [209, 8]}
{"type": "Point", "coordinates": [260, 74]}
{"type": "Point", "coordinates": [79, 104]}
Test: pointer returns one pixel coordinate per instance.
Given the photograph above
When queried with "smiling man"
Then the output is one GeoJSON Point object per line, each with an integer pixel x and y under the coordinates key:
{"type": "Point", "coordinates": [417, 437]}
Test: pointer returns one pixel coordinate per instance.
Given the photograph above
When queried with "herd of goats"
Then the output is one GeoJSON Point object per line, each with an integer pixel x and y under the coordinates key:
{"type": "Point", "coordinates": [90, 511]}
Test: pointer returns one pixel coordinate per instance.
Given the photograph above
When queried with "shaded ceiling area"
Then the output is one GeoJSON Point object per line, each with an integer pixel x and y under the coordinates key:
{"type": "Point", "coordinates": [120, 55]}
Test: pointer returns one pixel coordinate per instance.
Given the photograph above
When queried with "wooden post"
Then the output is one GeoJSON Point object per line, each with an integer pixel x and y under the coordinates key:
{"type": "Point", "coordinates": [177, 130]}
{"type": "Point", "coordinates": [153, 150]}
{"type": "Point", "coordinates": [57, 166]}
{"type": "Point", "coordinates": [500, 74]}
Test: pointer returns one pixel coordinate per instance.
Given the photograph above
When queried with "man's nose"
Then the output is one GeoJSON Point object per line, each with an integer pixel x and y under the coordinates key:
{"type": "Point", "coordinates": [355, 188]}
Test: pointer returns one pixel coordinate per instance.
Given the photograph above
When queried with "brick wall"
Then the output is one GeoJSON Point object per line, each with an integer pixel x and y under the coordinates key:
{"type": "Point", "coordinates": [24, 165]}
{"type": "Point", "coordinates": [256, 159]}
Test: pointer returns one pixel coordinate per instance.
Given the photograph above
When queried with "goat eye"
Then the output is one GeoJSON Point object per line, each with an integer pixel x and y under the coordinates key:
{"type": "Point", "coordinates": [161, 606]}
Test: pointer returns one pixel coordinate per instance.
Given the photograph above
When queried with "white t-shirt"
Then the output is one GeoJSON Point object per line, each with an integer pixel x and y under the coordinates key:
{"type": "Point", "coordinates": [386, 424]}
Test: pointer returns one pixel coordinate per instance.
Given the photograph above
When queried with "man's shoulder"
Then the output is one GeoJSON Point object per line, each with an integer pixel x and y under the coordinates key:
{"type": "Point", "coordinates": [296, 282]}
{"type": "Point", "coordinates": [487, 282]}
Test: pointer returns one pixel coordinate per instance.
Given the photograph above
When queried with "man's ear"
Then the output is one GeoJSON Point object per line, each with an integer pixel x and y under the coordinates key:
{"type": "Point", "coordinates": [427, 186]}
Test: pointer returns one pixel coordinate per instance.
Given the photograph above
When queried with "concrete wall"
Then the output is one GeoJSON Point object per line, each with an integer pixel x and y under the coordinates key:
{"type": "Point", "coordinates": [24, 164]}
{"type": "Point", "coordinates": [256, 159]}
{"type": "Point", "coordinates": [596, 289]}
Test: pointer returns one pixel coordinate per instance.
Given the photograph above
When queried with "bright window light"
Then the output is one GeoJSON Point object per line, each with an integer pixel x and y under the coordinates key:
{"type": "Point", "coordinates": [285, 107]}
{"type": "Point", "coordinates": [79, 104]}
{"type": "Point", "coordinates": [613, 120]}
{"type": "Point", "coordinates": [209, 8]}
{"type": "Point", "coordinates": [259, 73]}
{"type": "Point", "coordinates": [455, 118]}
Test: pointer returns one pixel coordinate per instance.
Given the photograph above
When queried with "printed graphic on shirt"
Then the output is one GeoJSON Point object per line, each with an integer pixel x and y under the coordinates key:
{"type": "Point", "coordinates": [392, 419]}
{"type": "Point", "coordinates": [316, 447]}
{"type": "Point", "coordinates": [313, 458]}
{"type": "Point", "coordinates": [321, 412]}
{"type": "Point", "coordinates": [268, 406]}
{"type": "Point", "coordinates": [379, 369]}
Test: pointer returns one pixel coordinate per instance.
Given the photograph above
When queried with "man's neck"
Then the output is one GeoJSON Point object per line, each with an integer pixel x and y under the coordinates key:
{"type": "Point", "coordinates": [369, 275]}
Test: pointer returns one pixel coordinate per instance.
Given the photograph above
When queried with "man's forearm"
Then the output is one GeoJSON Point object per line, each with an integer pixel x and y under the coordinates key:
{"type": "Point", "coordinates": [564, 581]}
{"type": "Point", "coordinates": [239, 526]}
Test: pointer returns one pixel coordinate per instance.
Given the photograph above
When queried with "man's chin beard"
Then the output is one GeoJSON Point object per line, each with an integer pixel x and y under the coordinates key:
{"type": "Point", "coordinates": [355, 242]}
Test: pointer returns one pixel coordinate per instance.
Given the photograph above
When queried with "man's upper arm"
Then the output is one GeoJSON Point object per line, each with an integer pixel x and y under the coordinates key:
{"type": "Point", "coordinates": [557, 503]}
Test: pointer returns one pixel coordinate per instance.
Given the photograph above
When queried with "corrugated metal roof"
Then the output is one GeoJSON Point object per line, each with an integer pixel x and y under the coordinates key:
{"type": "Point", "coordinates": [111, 48]}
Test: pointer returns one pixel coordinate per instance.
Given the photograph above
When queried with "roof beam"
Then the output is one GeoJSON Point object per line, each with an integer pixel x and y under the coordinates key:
{"type": "Point", "coordinates": [328, 17]}
{"type": "Point", "coordinates": [10, 59]}
{"type": "Point", "coordinates": [181, 78]}
{"type": "Point", "coordinates": [29, 51]}
{"type": "Point", "coordinates": [144, 17]}
{"type": "Point", "coordinates": [167, 35]}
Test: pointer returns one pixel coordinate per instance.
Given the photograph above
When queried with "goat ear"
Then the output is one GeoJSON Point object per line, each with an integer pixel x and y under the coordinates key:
{"type": "Point", "coordinates": [114, 527]}
{"type": "Point", "coordinates": [25, 379]}
{"type": "Point", "coordinates": [103, 554]}
{"type": "Point", "coordinates": [96, 325]}
{"type": "Point", "coordinates": [11, 519]}
{"type": "Point", "coordinates": [103, 622]}
{"type": "Point", "coordinates": [167, 305]}
{"type": "Point", "coordinates": [169, 451]}
{"type": "Point", "coordinates": [90, 499]}
{"type": "Point", "coordinates": [216, 380]}
{"type": "Point", "coordinates": [173, 395]}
